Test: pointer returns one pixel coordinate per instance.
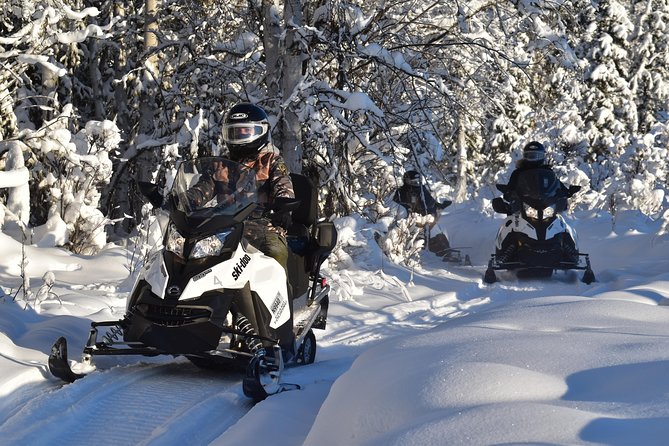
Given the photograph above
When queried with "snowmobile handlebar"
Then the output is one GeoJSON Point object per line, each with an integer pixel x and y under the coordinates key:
{"type": "Point", "coordinates": [151, 192]}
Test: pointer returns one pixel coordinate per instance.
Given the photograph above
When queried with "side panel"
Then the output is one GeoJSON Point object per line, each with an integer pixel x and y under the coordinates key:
{"type": "Point", "coordinates": [265, 276]}
{"type": "Point", "coordinates": [514, 223]}
{"type": "Point", "coordinates": [558, 226]}
{"type": "Point", "coordinates": [155, 274]}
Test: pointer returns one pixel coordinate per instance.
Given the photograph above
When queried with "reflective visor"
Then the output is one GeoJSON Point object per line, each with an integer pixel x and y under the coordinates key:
{"type": "Point", "coordinates": [534, 155]}
{"type": "Point", "coordinates": [243, 132]}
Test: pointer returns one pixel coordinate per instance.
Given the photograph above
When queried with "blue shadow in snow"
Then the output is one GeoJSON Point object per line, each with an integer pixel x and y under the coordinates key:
{"type": "Point", "coordinates": [628, 384]}
{"type": "Point", "coordinates": [627, 432]}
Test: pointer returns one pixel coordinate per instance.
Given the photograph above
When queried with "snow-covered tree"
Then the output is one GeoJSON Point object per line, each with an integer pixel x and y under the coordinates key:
{"type": "Point", "coordinates": [357, 92]}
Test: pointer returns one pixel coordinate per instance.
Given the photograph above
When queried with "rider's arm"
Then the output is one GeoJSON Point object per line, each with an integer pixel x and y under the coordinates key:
{"type": "Point", "coordinates": [510, 194]}
{"type": "Point", "coordinates": [202, 191]}
{"type": "Point", "coordinates": [280, 183]}
{"type": "Point", "coordinates": [281, 186]}
{"type": "Point", "coordinates": [430, 203]}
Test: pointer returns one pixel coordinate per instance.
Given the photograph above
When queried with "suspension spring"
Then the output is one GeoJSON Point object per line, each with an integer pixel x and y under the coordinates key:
{"type": "Point", "coordinates": [244, 325]}
{"type": "Point", "coordinates": [112, 335]}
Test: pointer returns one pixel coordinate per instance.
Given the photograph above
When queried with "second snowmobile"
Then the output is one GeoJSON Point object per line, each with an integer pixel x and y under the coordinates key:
{"type": "Point", "coordinates": [535, 239]}
{"type": "Point", "coordinates": [208, 294]}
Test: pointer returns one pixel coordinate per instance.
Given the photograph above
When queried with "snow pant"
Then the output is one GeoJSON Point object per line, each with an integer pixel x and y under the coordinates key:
{"type": "Point", "coordinates": [275, 246]}
{"type": "Point", "coordinates": [439, 244]}
{"type": "Point", "coordinates": [268, 241]}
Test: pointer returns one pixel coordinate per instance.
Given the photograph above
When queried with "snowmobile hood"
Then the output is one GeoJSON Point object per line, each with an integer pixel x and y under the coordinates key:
{"type": "Point", "coordinates": [210, 187]}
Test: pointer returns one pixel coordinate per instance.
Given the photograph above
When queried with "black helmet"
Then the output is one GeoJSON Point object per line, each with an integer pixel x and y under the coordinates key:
{"type": "Point", "coordinates": [411, 178]}
{"type": "Point", "coordinates": [245, 130]}
{"type": "Point", "coordinates": [534, 152]}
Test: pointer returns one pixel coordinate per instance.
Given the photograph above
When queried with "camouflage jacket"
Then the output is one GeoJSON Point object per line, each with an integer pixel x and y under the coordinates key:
{"type": "Point", "coordinates": [272, 178]}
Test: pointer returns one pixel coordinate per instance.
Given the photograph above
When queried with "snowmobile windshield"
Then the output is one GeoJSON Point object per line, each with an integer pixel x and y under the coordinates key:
{"type": "Point", "coordinates": [538, 187]}
{"type": "Point", "coordinates": [213, 186]}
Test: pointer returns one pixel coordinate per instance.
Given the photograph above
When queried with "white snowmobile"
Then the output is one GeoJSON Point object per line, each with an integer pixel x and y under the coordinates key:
{"type": "Point", "coordinates": [212, 297]}
{"type": "Point", "coordinates": [535, 240]}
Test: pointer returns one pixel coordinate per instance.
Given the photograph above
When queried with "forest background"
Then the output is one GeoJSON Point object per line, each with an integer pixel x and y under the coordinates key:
{"type": "Point", "coordinates": [95, 95]}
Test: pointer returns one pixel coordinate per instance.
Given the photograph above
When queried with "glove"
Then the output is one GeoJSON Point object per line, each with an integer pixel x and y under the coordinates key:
{"type": "Point", "coordinates": [444, 204]}
{"type": "Point", "coordinates": [220, 172]}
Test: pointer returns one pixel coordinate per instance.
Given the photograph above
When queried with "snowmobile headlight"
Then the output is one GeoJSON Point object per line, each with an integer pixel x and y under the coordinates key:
{"type": "Point", "coordinates": [210, 246]}
{"type": "Point", "coordinates": [175, 241]}
{"type": "Point", "coordinates": [549, 212]}
{"type": "Point", "coordinates": [531, 212]}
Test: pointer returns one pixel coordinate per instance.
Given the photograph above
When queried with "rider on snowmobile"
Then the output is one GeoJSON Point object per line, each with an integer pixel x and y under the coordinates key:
{"type": "Point", "coordinates": [415, 197]}
{"type": "Point", "coordinates": [534, 157]}
{"type": "Point", "coordinates": [246, 133]}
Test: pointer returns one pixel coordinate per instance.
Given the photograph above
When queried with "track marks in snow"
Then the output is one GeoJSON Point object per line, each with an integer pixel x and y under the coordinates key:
{"type": "Point", "coordinates": [413, 308]}
{"type": "Point", "coordinates": [172, 403]}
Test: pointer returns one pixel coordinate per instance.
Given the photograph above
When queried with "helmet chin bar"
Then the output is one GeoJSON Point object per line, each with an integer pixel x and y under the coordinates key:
{"type": "Point", "coordinates": [243, 151]}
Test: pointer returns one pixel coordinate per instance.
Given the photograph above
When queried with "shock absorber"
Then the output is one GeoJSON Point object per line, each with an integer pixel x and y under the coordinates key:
{"type": "Point", "coordinates": [244, 325]}
{"type": "Point", "coordinates": [112, 335]}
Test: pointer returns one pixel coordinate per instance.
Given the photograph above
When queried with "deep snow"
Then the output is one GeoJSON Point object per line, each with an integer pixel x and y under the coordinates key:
{"type": "Point", "coordinates": [428, 356]}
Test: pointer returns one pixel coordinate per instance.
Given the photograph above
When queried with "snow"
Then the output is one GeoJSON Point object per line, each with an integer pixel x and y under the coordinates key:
{"type": "Point", "coordinates": [423, 356]}
{"type": "Point", "coordinates": [14, 178]}
{"type": "Point", "coordinates": [36, 59]}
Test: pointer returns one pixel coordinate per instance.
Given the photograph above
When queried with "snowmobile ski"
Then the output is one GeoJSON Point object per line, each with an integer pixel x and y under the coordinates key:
{"type": "Point", "coordinates": [59, 365]}
{"type": "Point", "coordinates": [263, 375]}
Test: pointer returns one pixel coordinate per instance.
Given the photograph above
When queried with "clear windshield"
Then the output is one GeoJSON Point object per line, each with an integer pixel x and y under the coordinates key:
{"type": "Point", "coordinates": [538, 184]}
{"type": "Point", "coordinates": [213, 186]}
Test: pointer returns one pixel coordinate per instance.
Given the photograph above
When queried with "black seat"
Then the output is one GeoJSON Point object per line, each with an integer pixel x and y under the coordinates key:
{"type": "Point", "coordinates": [299, 235]}
{"type": "Point", "coordinates": [305, 216]}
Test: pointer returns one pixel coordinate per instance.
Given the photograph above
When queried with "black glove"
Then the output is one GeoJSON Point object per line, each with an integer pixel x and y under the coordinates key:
{"type": "Point", "coordinates": [444, 204]}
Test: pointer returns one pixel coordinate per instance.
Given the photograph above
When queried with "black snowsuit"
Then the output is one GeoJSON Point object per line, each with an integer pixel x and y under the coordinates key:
{"type": "Point", "coordinates": [418, 200]}
{"type": "Point", "coordinates": [522, 165]}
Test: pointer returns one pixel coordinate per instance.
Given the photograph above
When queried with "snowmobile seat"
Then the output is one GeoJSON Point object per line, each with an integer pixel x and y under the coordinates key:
{"type": "Point", "coordinates": [299, 237]}
{"type": "Point", "coordinates": [307, 213]}
{"type": "Point", "coordinates": [310, 239]}
{"type": "Point", "coordinates": [304, 216]}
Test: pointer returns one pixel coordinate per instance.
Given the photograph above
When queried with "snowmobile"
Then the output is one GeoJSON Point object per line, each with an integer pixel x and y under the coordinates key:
{"type": "Point", "coordinates": [208, 294]}
{"type": "Point", "coordinates": [534, 239]}
{"type": "Point", "coordinates": [414, 227]}
{"type": "Point", "coordinates": [443, 250]}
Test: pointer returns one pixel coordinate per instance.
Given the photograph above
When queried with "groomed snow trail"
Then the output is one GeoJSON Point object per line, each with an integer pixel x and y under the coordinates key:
{"type": "Point", "coordinates": [141, 404]}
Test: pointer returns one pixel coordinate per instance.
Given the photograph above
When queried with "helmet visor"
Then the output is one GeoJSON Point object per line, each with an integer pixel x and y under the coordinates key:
{"type": "Point", "coordinates": [412, 181]}
{"type": "Point", "coordinates": [534, 155]}
{"type": "Point", "coordinates": [243, 133]}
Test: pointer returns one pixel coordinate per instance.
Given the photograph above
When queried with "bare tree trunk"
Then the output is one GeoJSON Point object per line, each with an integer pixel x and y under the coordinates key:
{"type": "Point", "coordinates": [291, 76]}
{"type": "Point", "coordinates": [150, 42]}
{"type": "Point", "coordinates": [272, 31]}
{"type": "Point", "coordinates": [120, 95]}
{"type": "Point", "coordinates": [461, 191]}
{"type": "Point", "coordinates": [147, 160]}
{"type": "Point", "coordinates": [96, 81]}
{"type": "Point", "coordinates": [151, 24]}
{"type": "Point", "coordinates": [117, 199]}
